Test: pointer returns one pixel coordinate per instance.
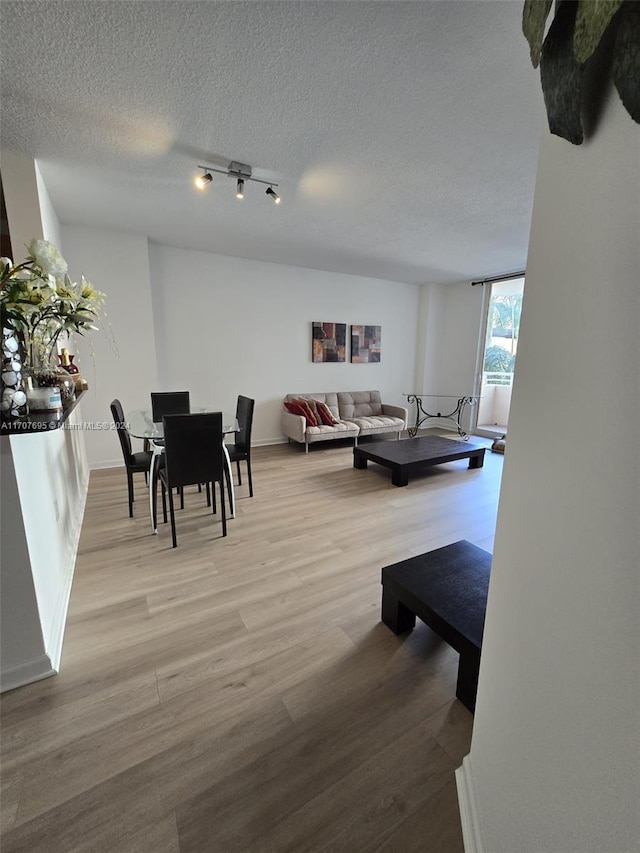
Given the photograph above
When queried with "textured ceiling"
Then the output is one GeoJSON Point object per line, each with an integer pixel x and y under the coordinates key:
{"type": "Point", "coordinates": [403, 135]}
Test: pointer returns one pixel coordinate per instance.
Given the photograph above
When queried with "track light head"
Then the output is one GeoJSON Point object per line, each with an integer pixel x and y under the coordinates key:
{"type": "Point", "coordinates": [240, 188]}
{"type": "Point", "coordinates": [273, 195]}
{"type": "Point", "coordinates": [202, 180]}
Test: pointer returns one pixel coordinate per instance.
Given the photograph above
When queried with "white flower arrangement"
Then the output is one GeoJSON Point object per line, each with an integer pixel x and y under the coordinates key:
{"type": "Point", "coordinates": [39, 300]}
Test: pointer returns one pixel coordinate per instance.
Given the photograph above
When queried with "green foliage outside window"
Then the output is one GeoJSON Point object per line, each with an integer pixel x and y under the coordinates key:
{"type": "Point", "coordinates": [498, 360]}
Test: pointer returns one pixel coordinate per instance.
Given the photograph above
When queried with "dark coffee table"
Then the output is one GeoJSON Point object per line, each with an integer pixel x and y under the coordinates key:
{"type": "Point", "coordinates": [447, 589]}
{"type": "Point", "coordinates": [413, 454]}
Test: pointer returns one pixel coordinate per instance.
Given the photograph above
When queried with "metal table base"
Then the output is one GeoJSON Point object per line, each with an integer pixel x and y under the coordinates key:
{"type": "Point", "coordinates": [454, 416]}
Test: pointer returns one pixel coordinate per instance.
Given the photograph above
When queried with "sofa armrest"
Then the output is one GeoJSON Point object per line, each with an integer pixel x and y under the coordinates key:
{"type": "Point", "coordinates": [396, 412]}
{"type": "Point", "coordinates": [293, 426]}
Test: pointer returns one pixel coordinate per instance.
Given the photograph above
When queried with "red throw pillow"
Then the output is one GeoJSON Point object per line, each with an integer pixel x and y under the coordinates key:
{"type": "Point", "coordinates": [294, 408]}
{"type": "Point", "coordinates": [326, 414]}
{"type": "Point", "coordinates": [297, 409]}
{"type": "Point", "coordinates": [314, 411]}
{"type": "Point", "coordinates": [312, 420]}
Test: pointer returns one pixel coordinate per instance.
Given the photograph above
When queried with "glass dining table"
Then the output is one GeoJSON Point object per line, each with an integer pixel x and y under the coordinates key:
{"type": "Point", "coordinates": [140, 424]}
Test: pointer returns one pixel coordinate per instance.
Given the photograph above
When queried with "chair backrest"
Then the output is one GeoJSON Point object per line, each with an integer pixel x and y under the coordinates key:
{"type": "Point", "coordinates": [244, 416]}
{"type": "Point", "coordinates": [125, 439]}
{"type": "Point", "coordinates": [193, 448]}
{"type": "Point", "coordinates": [169, 403]}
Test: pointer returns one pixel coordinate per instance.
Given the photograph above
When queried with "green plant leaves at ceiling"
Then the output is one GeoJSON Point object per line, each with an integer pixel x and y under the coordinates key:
{"type": "Point", "coordinates": [626, 59]}
{"type": "Point", "coordinates": [574, 36]}
{"type": "Point", "coordinates": [561, 77]}
{"type": "Point", "coordinates": [534, 18]}
{"type": "Point", "coordinates": [592, 19]}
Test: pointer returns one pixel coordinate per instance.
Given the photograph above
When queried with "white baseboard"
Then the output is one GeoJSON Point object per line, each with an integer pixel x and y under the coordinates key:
{"type": "Point", "coordinates": [25, 673]}
{"type": "Point", "coordinates": [468, 808]}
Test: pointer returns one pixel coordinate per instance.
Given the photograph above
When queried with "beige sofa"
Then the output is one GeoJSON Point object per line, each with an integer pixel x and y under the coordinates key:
{"type": "Point", "coordinates": [359, 413]}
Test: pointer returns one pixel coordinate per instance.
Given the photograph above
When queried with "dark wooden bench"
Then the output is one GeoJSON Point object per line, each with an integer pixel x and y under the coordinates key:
{"type": "Point", "coordinates": [446, 589]}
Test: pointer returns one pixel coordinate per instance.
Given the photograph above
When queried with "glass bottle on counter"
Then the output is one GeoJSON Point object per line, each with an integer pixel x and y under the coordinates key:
{"type": "Point", "coordinates": [66, 361]}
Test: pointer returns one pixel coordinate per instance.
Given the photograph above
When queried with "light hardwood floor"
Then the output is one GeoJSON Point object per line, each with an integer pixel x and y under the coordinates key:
{"type": "Point", "coordinates": [240, 695]}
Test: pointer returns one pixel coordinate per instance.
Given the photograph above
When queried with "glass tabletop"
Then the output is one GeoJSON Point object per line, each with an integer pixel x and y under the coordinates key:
{"type": "Point", "coordinates": [447, 396]}
{"type": "Point", "coordinates": [140, 423]}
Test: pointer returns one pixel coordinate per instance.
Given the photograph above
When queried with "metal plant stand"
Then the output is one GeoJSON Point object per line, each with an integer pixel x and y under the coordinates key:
{"type": "Point", "coordinates": [422, 415]}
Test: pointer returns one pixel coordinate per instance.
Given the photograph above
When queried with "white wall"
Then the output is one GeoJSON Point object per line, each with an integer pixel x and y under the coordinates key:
{"type": "Point", "coordinates": [460, 334]}
{"type": "Point", "coordinates": [227, 326]}
{"type": "Point", "coordinates": [219, 326]}
{"type": "Point", "coordinates": [554, 762]}
{"type": "Point", "coordinates": [120, 359]}
{"type": "Point", "coordinates": [495, 404]}
{"type": "Point", "coordinates": [450, 330]}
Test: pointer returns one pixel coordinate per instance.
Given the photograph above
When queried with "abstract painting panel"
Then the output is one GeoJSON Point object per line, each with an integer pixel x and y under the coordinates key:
{"type": "Point", "coordinates": [329, 342]}
{"type": "Point", "coordinates": [365, 344]}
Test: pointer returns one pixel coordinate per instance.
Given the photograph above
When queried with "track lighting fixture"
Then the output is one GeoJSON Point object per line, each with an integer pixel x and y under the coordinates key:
{"type": "Point", "coordinates": [202, 180]}
{"type": "Point", "coordinates": [242, 172]}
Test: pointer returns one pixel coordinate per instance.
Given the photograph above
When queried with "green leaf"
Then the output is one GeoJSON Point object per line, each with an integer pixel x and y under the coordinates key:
{"type": "Point", "coordinates": [16, 318]}
{"type": "Point", "coordinates": [626, 59]}
{"type": "Point", "coordinates": [534, 17]}
{"type": "Point", "coordinates": [592, 19]}
{"type": "Point", "coordinates": [561, 77]}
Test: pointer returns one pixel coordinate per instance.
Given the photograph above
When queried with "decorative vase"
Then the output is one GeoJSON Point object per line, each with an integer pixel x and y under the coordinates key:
{"type": "Point", "coordinates": [13, 403]}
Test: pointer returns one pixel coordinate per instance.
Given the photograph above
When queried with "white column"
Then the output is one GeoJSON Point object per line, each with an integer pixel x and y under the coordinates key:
{"type": "Point", "coordinates": [555, 759]}
{"type": "Point", "coordinates": [20, 186]}
{"type": "Point", "coordinates": [44, 481]}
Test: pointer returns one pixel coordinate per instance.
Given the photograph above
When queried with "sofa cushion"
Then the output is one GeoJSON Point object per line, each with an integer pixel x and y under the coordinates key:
{"type": "Point", "coordinates": [380, 423]}
{"type": "Point", "coordinates": [359, 404]}
{"type": "Point", "coordinates": [342, 429]}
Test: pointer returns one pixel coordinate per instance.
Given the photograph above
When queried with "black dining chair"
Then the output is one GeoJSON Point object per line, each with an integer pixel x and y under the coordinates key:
{"type": "Point", "coordinates": [135, 463]}
{"type": "Point", "coordinates": [241, 448]}
{"type": "Point", "coordinates": [193, 454]}
{"type": "Point", "coordinates": [169, 403]}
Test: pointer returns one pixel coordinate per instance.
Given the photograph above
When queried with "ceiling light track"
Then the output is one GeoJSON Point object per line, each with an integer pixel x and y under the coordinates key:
{"type": "Point", "coordinates": [241, 173]}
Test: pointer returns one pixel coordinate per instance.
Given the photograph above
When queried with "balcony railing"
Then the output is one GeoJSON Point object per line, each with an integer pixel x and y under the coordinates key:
{"type": "Point", "coordinates": [504, 379]}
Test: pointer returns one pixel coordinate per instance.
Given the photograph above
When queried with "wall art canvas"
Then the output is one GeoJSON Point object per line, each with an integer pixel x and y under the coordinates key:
{"type": "Point", "coordinates": [365, 344]}
{"type": "Point", "coordinates": [329, 342]}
